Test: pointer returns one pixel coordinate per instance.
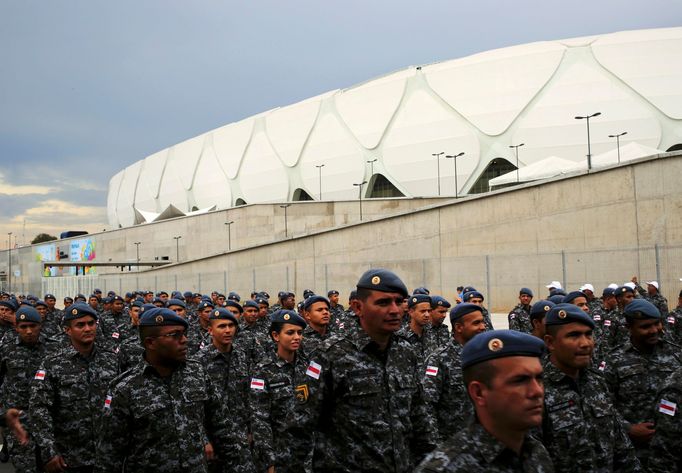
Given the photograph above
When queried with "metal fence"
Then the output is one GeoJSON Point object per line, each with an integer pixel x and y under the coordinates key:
{"type": "Point", "coordinates": [499, 277]}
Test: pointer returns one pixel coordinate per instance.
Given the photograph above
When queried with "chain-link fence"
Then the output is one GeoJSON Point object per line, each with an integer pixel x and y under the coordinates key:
{"type": "Point", "coordinates": [499, 277]}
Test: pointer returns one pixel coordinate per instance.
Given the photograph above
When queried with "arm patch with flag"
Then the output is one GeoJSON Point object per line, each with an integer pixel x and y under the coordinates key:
{"type": "Point", "coordinates": [431, 370]}
{"type": "Point", "coordinates": [257, 384]}
{"type": "Point", "coordinates": [107, 402]}
{"type": "Point", "coordinates": [314, 370]}
{"type": "Point", "coordinates": [40, 374]}
{"type": "Point", "coordinates": [667, 407]}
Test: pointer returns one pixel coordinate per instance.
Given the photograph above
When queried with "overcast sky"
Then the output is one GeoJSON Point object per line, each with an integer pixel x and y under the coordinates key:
{"type": "Point", "coordinates": [88, 87]}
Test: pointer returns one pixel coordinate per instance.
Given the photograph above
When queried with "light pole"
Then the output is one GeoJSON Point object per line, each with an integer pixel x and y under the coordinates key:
{"type": "Point", "coordinates": [438, 155]}
{"type": "Point", "coordinates": [359, 186]}
{"type": "Point", "coordinates": [286, 230]}
{"type": "Point", "coordinates": [9, 261]}
{"type": "Point", "coordinates": [177, 248]}
{"type": "Point", "coordinates": [454, 160]}
{"type": "Point", "coordinates": [516, 149]}
{"type": "Point", "coordinates": [617, 137]}
{"type": "Point", "coordinates": [371, 163]}
{"type": "Point", "coordinates": [229, 234]}
{"type": "Point", "coordinates": [589, 149]}
{"type": "Point", "coordinates": [319, 168]}
{"type": "Point", "coordinates": [137, 251]}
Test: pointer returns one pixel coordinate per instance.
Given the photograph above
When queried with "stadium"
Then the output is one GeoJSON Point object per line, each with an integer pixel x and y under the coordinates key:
{"type": "Point", "coordinates": [403, 134]}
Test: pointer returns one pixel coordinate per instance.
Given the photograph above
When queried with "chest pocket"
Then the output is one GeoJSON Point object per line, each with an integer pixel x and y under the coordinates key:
{"type": "Point", "coordinates": [364, 391]}
{"type": "Point", "coordinates": [633, 380]}
{"type": "Point", "coordinates": [564, 415]}
{"type": "Point", "coordinates": [74, 389]}
{"type": "Point", "coordinates": [150, 409]}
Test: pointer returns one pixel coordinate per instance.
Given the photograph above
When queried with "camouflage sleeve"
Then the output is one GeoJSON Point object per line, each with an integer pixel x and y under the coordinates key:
{"type": "Point", "coordinates": [41, 423]}
{"type": "Point", "coordinates": [624, 458]}
{"type": "Point", "coordinates": [424, 432]}
{"type": "Point", "coordinates": [260, 403]}
{"type": "Point", "coordinates": [666, 446]}
{"type": "Point", "coordinates": [432, 380]}
{"type": "Point", "coordinates": [220, 426]}
{"type": "Point", "coordinates": [112, 443]}
{"type": "Point", "coordinates": [514, 322]}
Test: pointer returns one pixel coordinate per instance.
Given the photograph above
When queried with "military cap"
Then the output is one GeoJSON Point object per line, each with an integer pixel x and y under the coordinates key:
{"type": "Point", "coordinates": [116, 298]}
{"type": "Point", "coordinates": [307, 293]}
{"type": "Point", "coordinates": [203, 304]}
{"type": "Point", "coordinates": [41, 303]}
{"type": "Point", "coordinates": [353, 295]}
{"type": "Point", "coordinates": [10, 304]}
{"type": "Point", "coordinates": [188, 294]}
{"type": "Point", "coordinates": [333, 292]}
{"type": "Point", "coordinates": [468, 289]}
{"type": "Point", "coordinates": [382, 280]}
{"type": "Point", "coordinates": [231, 303]}
{"type": "Point", "coordinates": [571, 296]}
{"type": "Point", "coordinates": [623, 289]}
{"type": "Point", "coordinates": [162, 293]}
{"type": "Point", "coordinates": [415, 299]}
{"type": "Point", "coordinates": [137, 303]}
{"type": "Point", "coordinates": [460, 310]}
{"type": "Point", "coordinates": [586, 287]}
{"type": "Point", "coordinates": [500, 344]}
{"type": "Point", "coordinates": [79, 296]}
{"type": "Point", "coordinates": [78, 310]}
{"type": "Point", "coordinates": [608, 292]}
{"type": "Point", "coordinates": [49, 296]}
{"type": "Point", "coordinates": [177, 302]}
{"type": "Point", "coordinates": [541, 307]}
{"type": "Point", "coordinates": [252, 303]}
{"type": "Point", "coordinates": [265, 294]}
{"type": "Point", "coordinates": [641, 309]}
{"type": "Point", "coordinates": [177, 295]}
{"type": "Point", "coordinates": [439, 301]}
{"type": "Point", "coordinates": [526, 291]}
{"type": "Point", "coordinates": [148, 306]}
{"type": "Point", "coordinates": [562, 314]}
{"type": "Point", "coordinates": [313, 299]}
{"type": "Point", "coordinates": [111, 293]}
{"type": "Point", "coordinates": [233, 296]}
{"type": "Point", "coordinates": [299, 306]}
{"type": "Point", "coordinates": [97, 291]}
{"type": "Point", "coordinates": [557, 298]}
{"type": "Point", "coordinates": [421, 290]}
{"type": "Point", "coordinates": [28, 314]}
{"type": "Point", "coordinates": [159, 317]}
{"type": "Point", "coordinates": [224, 314]}
{"type": "Point", "coordinates": [471, 294]}
{"type": "Point", "coordinates": [287, 317]}
{"type": "Point", "coordinates": [263, 300]}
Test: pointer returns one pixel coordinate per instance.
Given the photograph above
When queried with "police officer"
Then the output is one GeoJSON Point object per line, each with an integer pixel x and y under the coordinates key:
{"type": "Point", "coordinates": [637, 370]}
{"type": "Point", "coordinates": [316, 314]}
{"type": "Point", "coordinates": [335, 308]}
{"type": "Point", "coordinates": [198, 335]}
{"type": "Point", "coordinates": [472, 296]}
{"type": "Point", "coordinates": [666, 446]}
{"type": "Point", "coordinates": [439, 331]}
{"type": "Point", "coordinates": [537, 317]}
{"type": "Point", "coordinates": [653, 295]}
{"type": "Point", "coordinates": [580, 427]}
{"type": "Point", "coordinates": [418, 332]}
{"type": "Point", "coordinates": [372, 414]}
{"type": "Point", "coordinates": [67, 395]}
{"type": "Point", "coordinates": [673, 325]}
{"type": "Point", "coordinates": [519, 317]}
{"type": "Point", "coordinates": [503, 377]}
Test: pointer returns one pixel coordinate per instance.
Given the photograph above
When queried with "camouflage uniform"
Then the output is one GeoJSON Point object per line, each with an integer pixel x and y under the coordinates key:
{"type": "Point", "coordinates": [634, 379]}
{"type": "Point", "coordinates": [372, 414]}
{"type": "Point", "coordinates": [335, 313]}
{"type": "Point", "coordinates": [18, 365]}
{"type": "Point", "coordinates": [130, 350]}
{"type": "Point", "coordinates": [486, 319]}
{"type": "Point", "coordinates": [580, 427]}
{"type": "Point", "coordinates": [161, 425]}
{"type": "Point", "coordinates": [282, 430]}
{"type": "Point", "coordinates": [344, 322]}
{"type": "Point", "coordinates": [67, 395]}
{"type": "Point", "coordinates": [422, 345]}
{"type": "Point", "coordinates": [657, 299]}
{"type": "Point", "coordinates": [666, 446]}
{"type": "Point", "coordinates": [312, 340]}
{"type": "Point", "coordinates": [595, 304]}
{"type": "Point", "coordinates": [197, 338]}
{"type": "Point", "coordinates": [52, 325]}
{"type": "Point", "coordinates": [441, 335]}
{"type": "Point", "coordinates": [519, 319]}
{"type": "Point", "coordinates": [474, 450]}
{"type": "Point", "coordinates": [673, 326]}
{"type": "Point", "coordinates": [444, 390]}
{"type": "Point", "coordinates": [116, 326]}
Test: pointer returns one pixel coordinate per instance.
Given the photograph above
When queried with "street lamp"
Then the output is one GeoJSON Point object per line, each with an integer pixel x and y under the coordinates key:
{"type": "Point", "coordinates": [229, 234]}
{"type": "Point", "coordinates": [589, 149]}
{"type": "Point", "coordinates": [359, 186]}
{"type": "Point", "coordinates": [454, 160]}
{"type": "Point", "coordinates": [438, 155]}
{"type": "Point", "coordinates": [617, 137]}
{"type": "Point", "coordinates": [137, 251]}
{"type": "Point", "coordinates": [285, 206]}
{"type": "Point", "coordinates": [516, 148]}
{"type": "Point", "coordinates": [319, 168]}
{"type": "Point", "coordinates": [9, 261]}
{"type": "Point", "coordinates": [371, 163]}
{"type": "Point", "coordinates": [177, 248]}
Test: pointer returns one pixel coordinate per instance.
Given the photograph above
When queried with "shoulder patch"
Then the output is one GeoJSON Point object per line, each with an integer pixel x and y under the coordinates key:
{"type": "Point", "coordinates": [257, 384]}
{"type": "Point", "coordinates": [602, 366]}
{"type": "Point", "coordinates": [40, 374]}
{"type": "Point", "coordinates": [107, 402]}
{"type": "Point", "coordinates": [314, 370]}
{"type": "Point", "coordinates": [431, 370]}
{"type": "Point", "coordinates": [667, 407]}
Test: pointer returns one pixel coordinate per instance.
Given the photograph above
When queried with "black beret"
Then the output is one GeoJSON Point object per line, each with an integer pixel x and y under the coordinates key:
{"type": "Point", "coordinates": [233, 296]}
{"type": "Point", "coordinates": [251, 303]}
{"type": "Point", "coordinates": [623, 289]}
{"type": "Point", "coordinates": [224, 314]}
{"type": "Point", "coordinates": [641, 309]}
{"type": "Point", "coordinates": [460, 310]}
{"type": "Point", "coordinates": [382, 280]}
{"type": "Point", "coordinates": [263, 300]}
{"type": "Point", "coordinates": [415, 299]}
{"type": "Point", "coordinates": [307, 293]}
{"type": "Point", "coordinates": [231, 303]}
{"type": "Point", "coordinates": [28, 314]}
{"type": "Point", "coordinates": [333, 292]}
{"type": "Point", "coordinates": [541, 307]}
{"type": "Point", "coordinates": [203, 304]}
{"type": "Point", "coordinates": [313, 299]}
{"type": "Point", "coordinates": [499, 344]}
{"type": "Point", "coordinates": [608, 292]}
{"type": "Point", "coordinates": [116, 298]}
{"type": "Point", "coordinates": [160, 316]}
{"type": "Point", "coordinates": [526, 291]}
{"type": "Point", "coordinates": [177, 302]}
{"type": "Point", "coordinates": [467, 296]}
{"type": "Point", "coordinates": [49, 296]}
{"type": "Point", "coordinates": [421, 290]}
{"type": "Point", "coordinates": [439, 301]}
{"type": "Point", "coordinates": [78, 310]}
{"type": "Point", "coordinates": [562, 314]}
{"type": "Point", "coordinates": [571, 296]}
{"type": "Point", "coordinates": [287, 317]}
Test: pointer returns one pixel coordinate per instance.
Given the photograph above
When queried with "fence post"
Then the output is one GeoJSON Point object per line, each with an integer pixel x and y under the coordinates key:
{"type": "Point", "coordinates": [225, 281]}
{"type": "Point", "coordinates": [487, 282]}
{"type": "Point", "coordinates": [253, 277]}
{"type": "Point", "coordinates": [658, 263]}
{"type": "Point", "coordinates": [326, 279]}
{"type": "Point", "coordinates": [288, 278]}
{"type": "Point", "coordinates": [199, 283]}
{"type": "Point", "coordinates": [563, 268]}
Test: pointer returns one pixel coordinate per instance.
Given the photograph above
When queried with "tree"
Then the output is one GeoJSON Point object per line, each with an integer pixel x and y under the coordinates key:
{"type": "Point", "coordinates": [42, 237]}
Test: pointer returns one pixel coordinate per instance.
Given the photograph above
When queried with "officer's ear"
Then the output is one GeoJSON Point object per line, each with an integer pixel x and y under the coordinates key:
{"type": "Point", "coordinates": [549, 342]}
{"type": "Point", "coordinates": [477, 391]}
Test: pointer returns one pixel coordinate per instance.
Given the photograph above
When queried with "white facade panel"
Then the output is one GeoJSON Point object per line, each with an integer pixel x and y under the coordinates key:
{"type": "Point", "coordinates": [184, 159]}
{"type": "Point", "coordinates": [229, 143]}
{"type": "Point", "coordinates": [127, 195]}
{"type": "Point", "coordinates": [211, 187]}
{"type": "Point", "coordinates": [262, 176]}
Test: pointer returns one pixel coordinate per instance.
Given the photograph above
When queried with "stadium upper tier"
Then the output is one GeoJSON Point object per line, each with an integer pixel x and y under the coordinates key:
{"type": "Point", "coordinates": [386, 131]}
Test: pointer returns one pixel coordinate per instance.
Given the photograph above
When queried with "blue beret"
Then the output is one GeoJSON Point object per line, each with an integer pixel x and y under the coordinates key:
{"type": "Point", "coordinates": [439, 301]}
{"type": "Point", "coordinates": [41, 303]}
{"type": "Point", "coordinates": [97, 291]}
{"type": "Point", "coordinates": [233, 296]}
{"type": "Point", "coordinates": [111, 293]}
{"type": "Point", "coordinates": [223, 314]}
{"type": "Point", "coordinates": [188, 294]}
{"type": "Point", "coordinates": [78, 310]}
{"type": "Point", "coordinates": [177, 302]}
{"type": "Point", "coordinates": [137, 303]}
{"type": "Point", "coordinates": [196, 294]}
{"type": "Point", "coordinates": [148, 306]}
{"type": "Point", "coordinates": [333, 292]}
{"type": "Point", "coordinates": [251, 303]}
{"type": "Point", "coordinates": [382, 280]}
{"type": "Point", "coordinates": [263, 300]}
{"type": "Point", "coordinates": [49, 296]}
{"type": "Point", "coordinates": [203, 304]}
{"type": "Point", "coordinates": [641, 309]}
{"type": "Point", "coordinates": [421, 290]}
{"type": "Point", "coordinates": [415, 299]}
{"type": "Point", "coordinates": [468, 289]}
{"type": "Point", "coordinates": [287, 317]}
{"type": "Point", "coordinates": [177, 295]}
{"type": "Point", "coordinates": [10, 304]}
{"type": "Point", "coordinates": [159, 317]}
{"type": "Point", "coordinates": [571, 296]}
{"type": "Point", "coordinates": [471, 294]}
{"type": "Point", "coordinates": [313, 299]}
{"type": "Point", "coordinates": [26, 302]}
{"type": "Point", "coordinates": [106, 300]}
{"type": "Point", "coordinates": [557, 292]}
{"type": "Point", "coordinates": [499, 344]}
{"type": "Point", "coordinates": [461, 310]}
{"type": "Point", "coordinates": [162, 293]}
{"type": "Point", "coordinates": [541, 307]}
{"type": "Point", "coordinates": [116, 298]}
{"type": "Point", "coordinates": [28, 314]}
{"type": "Point", "coordinates": [158, 300]}
{"type": "Point", "coordinates": [562, 314]}
{"type": "Point", "coordinates": [623, 289]}
{"type": "Point", "coordinates": [557, 298]}
{"type": "Point", "coordinates": [129, 295]}
{"type": "Point", "coordinates": [307, 293]}
{"type": "Point", "coordinates": [231, 303]}
{"type": "Point", "coordinates": [353, 295]}
{"type": "Point", "coordinates": [299, 306]}
{"type": "Point", "coordinates": [608, 292]}
{"type": "Point", "coordinates": [526, 291]}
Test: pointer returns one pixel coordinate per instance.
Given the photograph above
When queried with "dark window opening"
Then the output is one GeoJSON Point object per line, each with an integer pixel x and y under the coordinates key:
{"type": "Point", "coordinates": [300, 195]}
{"type": "Point", "coordinates": [497, 167]}
{"type": "Point", "coordinates": [381, 187]}
{"type": "Point", "coordinates": [194, 208]}
{"type": "Point", "coordinates": [677, 147]}
{"type": "Point", "coordinates": [240, 201]}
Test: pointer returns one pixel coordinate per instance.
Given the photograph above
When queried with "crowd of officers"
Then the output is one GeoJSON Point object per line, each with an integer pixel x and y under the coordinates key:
{"type": "Point", "coordinates": [195, 383]}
